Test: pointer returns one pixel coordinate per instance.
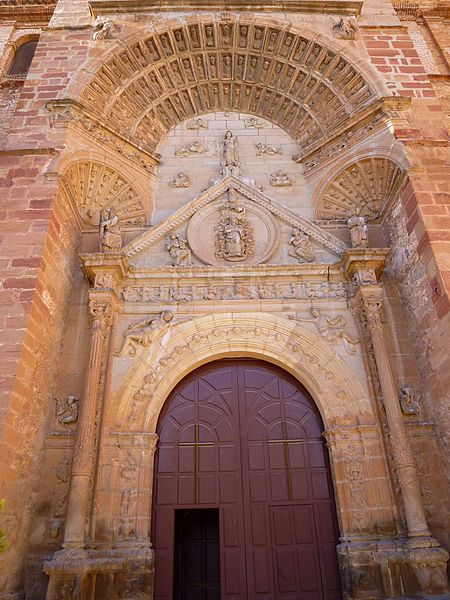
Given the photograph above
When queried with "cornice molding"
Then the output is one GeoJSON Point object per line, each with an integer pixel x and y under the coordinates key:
{"type": "Point", "coordinates": [301, 6]}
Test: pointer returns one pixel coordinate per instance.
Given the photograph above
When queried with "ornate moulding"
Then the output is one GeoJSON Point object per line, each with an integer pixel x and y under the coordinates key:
{"type": "Point", "coordinates": [350, 7]}
{"type": "Point", "coordinates": [166, 77]}
{"type": "Point", "coordinates": [259, 208]}
{"type": "Point", "coordinates": [65, 113]}
{"type": "Point", "coordinates": [366, 123]}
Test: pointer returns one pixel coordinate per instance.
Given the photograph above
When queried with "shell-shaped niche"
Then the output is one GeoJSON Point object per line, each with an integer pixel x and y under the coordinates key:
{"type": "Point", "coordinates": [364, 188]}
{"type": "Point", "coordinates": [92, 187]}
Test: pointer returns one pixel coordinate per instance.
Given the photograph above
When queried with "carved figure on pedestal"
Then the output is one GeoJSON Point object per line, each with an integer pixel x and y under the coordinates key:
{"type": "Point", "coordinates": [410, 399]}
{"type": "Point", "coordinates": [110, 234]}
{"type": "Point", "coordinates": [358, 232]}
{"type": "Point", "coordinates": [179, 251]}
{"type": "Point", "coordinates": [104, 29]}
{"type": "Point", "coordinates": [145, 332]}
{"type": "Point", "coordinates": [67, 410]}
{"type": "Point", "coordinates": [230, 160]}
{"type": "Point", "coordinates": [301, 247]}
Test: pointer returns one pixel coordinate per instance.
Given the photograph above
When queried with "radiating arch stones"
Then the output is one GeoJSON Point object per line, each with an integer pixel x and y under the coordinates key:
{"type": "Point", "coordinates": [154, 372]}
{"type": "Point", "coordinates": [166, 77]}
{"type": "Point", "coordinates": [365, 187]}
{"type": "Point", "coordinates": [92, 186]}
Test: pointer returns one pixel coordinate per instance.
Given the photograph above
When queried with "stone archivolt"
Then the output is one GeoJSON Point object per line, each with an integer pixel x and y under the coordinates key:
{"type": "Point", "coordinates": [364, 188]}
{"type": "Point", "coordinates": [92, 187]}
{"type": "Point", "coordinates": [161, 80]}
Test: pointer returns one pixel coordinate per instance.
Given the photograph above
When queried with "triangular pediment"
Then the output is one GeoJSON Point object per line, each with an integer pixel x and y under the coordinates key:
{"type": "Point", "coordinates": [251, 196]}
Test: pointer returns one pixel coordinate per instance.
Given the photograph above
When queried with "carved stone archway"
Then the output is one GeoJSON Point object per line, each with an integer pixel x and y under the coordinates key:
{"type": "Point", "coordinates": [306, 84]}
{"type": "Point", "coordinates": [363, 492]}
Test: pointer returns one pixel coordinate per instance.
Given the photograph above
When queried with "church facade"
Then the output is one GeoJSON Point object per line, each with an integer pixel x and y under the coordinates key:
{"type": "Point", "coordinates": [224, 299]}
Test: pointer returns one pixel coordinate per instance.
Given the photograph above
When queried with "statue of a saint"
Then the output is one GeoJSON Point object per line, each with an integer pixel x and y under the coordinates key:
{"type": "Point", "coordinates": [145, 332]}
{"type": "Point", "coordinates": [110, 235]}
{"type": "Point", "coordinates": [358, 232]}
{"type": "Point", "coordinates": [301, 247]}
{"type": "Point", "coordinates": [230, 160]}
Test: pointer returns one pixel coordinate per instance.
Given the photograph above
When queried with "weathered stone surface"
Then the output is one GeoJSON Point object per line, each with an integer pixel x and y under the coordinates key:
{"type": "Point", "coordinates": [226, 244]}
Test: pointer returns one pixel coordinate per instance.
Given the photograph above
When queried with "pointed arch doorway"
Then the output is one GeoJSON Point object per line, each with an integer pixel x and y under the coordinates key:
{"type": "Point", "coordinates": [243, 506]}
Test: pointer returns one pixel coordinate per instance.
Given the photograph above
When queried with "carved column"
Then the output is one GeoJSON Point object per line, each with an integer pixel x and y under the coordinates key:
{"type": "Point", "coordinates": [369, 299]}
{"type": "Point", "coordinates": [84, 450]}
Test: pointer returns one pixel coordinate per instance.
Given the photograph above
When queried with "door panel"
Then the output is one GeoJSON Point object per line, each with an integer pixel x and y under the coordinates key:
{"type": "Point", "coordinates": [244, 437]}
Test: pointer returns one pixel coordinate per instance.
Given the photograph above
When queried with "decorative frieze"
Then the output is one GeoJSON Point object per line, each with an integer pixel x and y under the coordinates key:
{"type": "Point", "coordinates": [237, 290]}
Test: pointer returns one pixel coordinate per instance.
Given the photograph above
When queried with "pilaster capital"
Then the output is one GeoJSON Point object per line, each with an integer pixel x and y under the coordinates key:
{"type": "Point", "coordinates": [101, 311]}
{"type": "Point", "coordinates": [105, 271]}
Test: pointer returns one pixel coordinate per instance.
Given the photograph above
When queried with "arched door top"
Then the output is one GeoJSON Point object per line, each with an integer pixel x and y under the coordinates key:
{"type": "Point", "coordinates": [155, 371]}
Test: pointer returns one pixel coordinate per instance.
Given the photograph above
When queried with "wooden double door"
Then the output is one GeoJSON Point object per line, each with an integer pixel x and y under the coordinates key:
{"type": "Point", "coordinates": [241, 446]}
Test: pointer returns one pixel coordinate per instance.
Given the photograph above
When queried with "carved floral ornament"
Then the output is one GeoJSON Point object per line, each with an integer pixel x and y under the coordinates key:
{"type": "Point", "coordinates": [171, 76]}
{"type": "Point", "coordinates": [93, 188]}
{"type": "Point", "coordinates": [365, 188]}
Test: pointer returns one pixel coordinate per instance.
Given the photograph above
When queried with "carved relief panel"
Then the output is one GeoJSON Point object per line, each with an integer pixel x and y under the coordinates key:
{"type": "Point", "coordinates": [233, 230]}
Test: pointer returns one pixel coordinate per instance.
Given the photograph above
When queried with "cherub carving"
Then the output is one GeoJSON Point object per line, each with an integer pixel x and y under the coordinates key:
{"type": "Point", "coordinates": [145, 332]}
{"type": "Point", "coordinates": [331, 329]}
{"type": "Point", "coordinates": [346, 28]}
{"type": "Point", "coordinates": [67, 410]}
{"type": "Point", "coordinates": [195, 149]}
{"type": "Point", "coordinates": [262, 149]}
{"type": "Point", "coordinates": [280, 179]}
{"type": "Point", "coordinates": [301, 247]}
{"type": "Point", "coordinates": [179, 251]}
{"type": "Point", "coordinates": [410, 400]}
{"type": "Point", "coordinates": [105, 29]}
{"type": "Point", "coordinates": [181, 181]}
{"type": "Point", "coordinates": [110, 234]}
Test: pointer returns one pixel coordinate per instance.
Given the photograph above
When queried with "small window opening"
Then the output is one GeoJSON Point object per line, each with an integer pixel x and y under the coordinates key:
{"type": "Point", "coordinates": [22, 59]}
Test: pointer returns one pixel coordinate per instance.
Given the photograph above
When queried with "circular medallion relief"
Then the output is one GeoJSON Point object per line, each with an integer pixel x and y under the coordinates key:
{"type": "Point", "coordinates": [233, 231]}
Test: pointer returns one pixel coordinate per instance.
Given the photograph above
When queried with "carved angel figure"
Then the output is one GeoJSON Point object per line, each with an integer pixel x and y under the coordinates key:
{"type": "Point", "coordinates": [194, 149]}
{"type": "Point", "coordinates": [280, 179]}
{"type": "Point", "coordinates": [331, 329]}
{"type": "Point", "coordinates": [301, 247]}
{"type": "Point", "coordinates": [110, 234]}
{"type": "Point", "coordinates": [262, 149]}
{"type": "Point", "coordinates": [358, 232]}
{"type": "Point", "coordinates": [145, 332]}
{"type": "Point", "coordinates": [230, 161]}
{"type": "Point", "coordinates": [179, 251]}
{"type": "Point", "coordinates": [104, 29]}
{"type": "Point", "coordinates": [181, 181]}
{"type": "Point", "coordinates": [67, 410]}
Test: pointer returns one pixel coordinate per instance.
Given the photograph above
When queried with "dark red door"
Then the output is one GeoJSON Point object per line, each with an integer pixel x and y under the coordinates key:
{"type": "Point", "coordinates": [245, 437]}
